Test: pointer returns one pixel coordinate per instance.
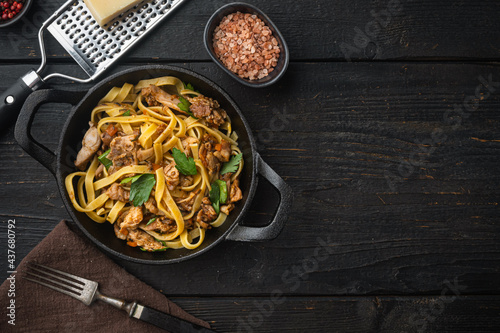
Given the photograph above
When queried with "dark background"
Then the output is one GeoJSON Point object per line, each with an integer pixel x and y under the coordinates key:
{"type": "Point", "coordinates": [403, 189]}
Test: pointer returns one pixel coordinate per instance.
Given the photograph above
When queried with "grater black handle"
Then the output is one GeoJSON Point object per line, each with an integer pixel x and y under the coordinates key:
{"type": "Point", "coordinates": [12, 100]}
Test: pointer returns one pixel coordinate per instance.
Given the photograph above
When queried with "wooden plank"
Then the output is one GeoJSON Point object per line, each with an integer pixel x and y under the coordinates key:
{"type": "Point", "coordinates": [352, 314]}
{"type": "Point", "coordinates": [334, 140]}
{"type": "Point", "coordinates": [358, 30]}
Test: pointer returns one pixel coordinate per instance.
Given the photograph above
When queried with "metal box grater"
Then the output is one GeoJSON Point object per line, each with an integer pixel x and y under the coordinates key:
{"type": "Point", "coordinates": [93, 47]}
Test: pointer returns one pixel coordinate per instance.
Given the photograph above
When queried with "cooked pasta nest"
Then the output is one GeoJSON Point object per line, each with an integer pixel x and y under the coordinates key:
{"type": "Point", "coordinates": [160, 162]}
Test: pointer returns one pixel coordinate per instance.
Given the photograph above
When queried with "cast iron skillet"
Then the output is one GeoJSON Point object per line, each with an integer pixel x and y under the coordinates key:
{"type": "Point", "coordinates": [60, 163]}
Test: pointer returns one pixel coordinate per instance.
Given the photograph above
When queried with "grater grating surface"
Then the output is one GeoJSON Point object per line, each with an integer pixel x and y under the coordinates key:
{"type": "Point", "coordinates": [94, 47]}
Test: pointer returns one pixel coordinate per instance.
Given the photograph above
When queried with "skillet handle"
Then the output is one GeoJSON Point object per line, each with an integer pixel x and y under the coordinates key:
{"type": "Point", "coordinates": [22, 132]}
{"type": "Point", "coordinates": [271, 231]}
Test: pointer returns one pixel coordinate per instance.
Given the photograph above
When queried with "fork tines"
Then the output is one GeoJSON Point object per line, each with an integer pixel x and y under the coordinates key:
{"type": "Point", "coordinates": [55, 279]}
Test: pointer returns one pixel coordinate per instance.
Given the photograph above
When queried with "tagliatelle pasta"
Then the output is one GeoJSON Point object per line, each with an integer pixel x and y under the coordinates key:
{"type": "Point", "coordinates": [160, 161]}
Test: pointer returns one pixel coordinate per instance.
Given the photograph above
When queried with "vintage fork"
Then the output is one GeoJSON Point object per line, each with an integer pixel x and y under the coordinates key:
{"type": "Point", "coordinates": [87, 292]}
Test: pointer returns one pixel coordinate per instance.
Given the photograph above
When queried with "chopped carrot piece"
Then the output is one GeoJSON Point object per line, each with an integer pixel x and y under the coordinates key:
{"type": "Point", "coordinates": [218, 147]}
{"type": "Point", "coordinates": [133, 244]}
{"type": "Point", "coordinates": [112, 130]}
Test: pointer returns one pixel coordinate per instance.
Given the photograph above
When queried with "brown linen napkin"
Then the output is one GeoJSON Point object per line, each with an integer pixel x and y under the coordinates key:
{"type": "Point", "coordinates": [40, 309]}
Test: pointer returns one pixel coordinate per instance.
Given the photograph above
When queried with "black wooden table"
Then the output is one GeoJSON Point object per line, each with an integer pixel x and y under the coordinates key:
{"type": "Point", "coordinates": [387, 127]}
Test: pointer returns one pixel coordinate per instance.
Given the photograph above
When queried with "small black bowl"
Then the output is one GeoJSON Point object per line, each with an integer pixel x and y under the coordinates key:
{"type": "Point", "coordinates": [19, 16]}
{"type": "Point", "coordinates": [234, 7]}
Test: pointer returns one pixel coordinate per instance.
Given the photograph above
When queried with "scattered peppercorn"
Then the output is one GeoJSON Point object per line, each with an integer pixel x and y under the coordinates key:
{"type": "Point", "coordinates": [9, 9]}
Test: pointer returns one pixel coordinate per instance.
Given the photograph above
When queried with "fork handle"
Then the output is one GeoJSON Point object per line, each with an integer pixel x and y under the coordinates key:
{"type": "Point", "coordinates": [152, 316]}
{"type": "Point", "coordinates": [166, 321]}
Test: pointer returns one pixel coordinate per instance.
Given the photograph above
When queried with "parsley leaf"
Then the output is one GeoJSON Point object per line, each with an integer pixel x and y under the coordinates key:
{"type": "Point", "coordinates": [141, 189]}
{"type": "Point", "coordinates": [215, 197]}
{"type": "Point", "coordinates": [127, 180]}
{"type": "Point", "coordinates": [222, 189]}
{"type": "Point", "coordinates": [184, 106]}
{"type": "Point", "coordinates": [232, 165]}
{"type": "Point", "coordinates": [218, 194]}
{"type": "Point", "coordinates": [104, 160]}
{"type": "Point", "coordinates": [184, 164]}
{"type": "Point", "coordinates": [126, 113]}
{"type": "Point", "coordinates": [190, 87]}
{"type": "Point", "coordinates": [151, 221]}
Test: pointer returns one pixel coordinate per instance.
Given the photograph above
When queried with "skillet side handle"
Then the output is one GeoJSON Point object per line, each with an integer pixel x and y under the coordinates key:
{"type": "Point", "coordinates": [271, 231]}
{"type": "Point", "coordinates": [22, 132]}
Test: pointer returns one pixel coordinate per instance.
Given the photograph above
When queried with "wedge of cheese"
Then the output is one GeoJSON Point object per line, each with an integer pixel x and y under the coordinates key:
{"type": "Point", "coordinates": [104, 11]}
